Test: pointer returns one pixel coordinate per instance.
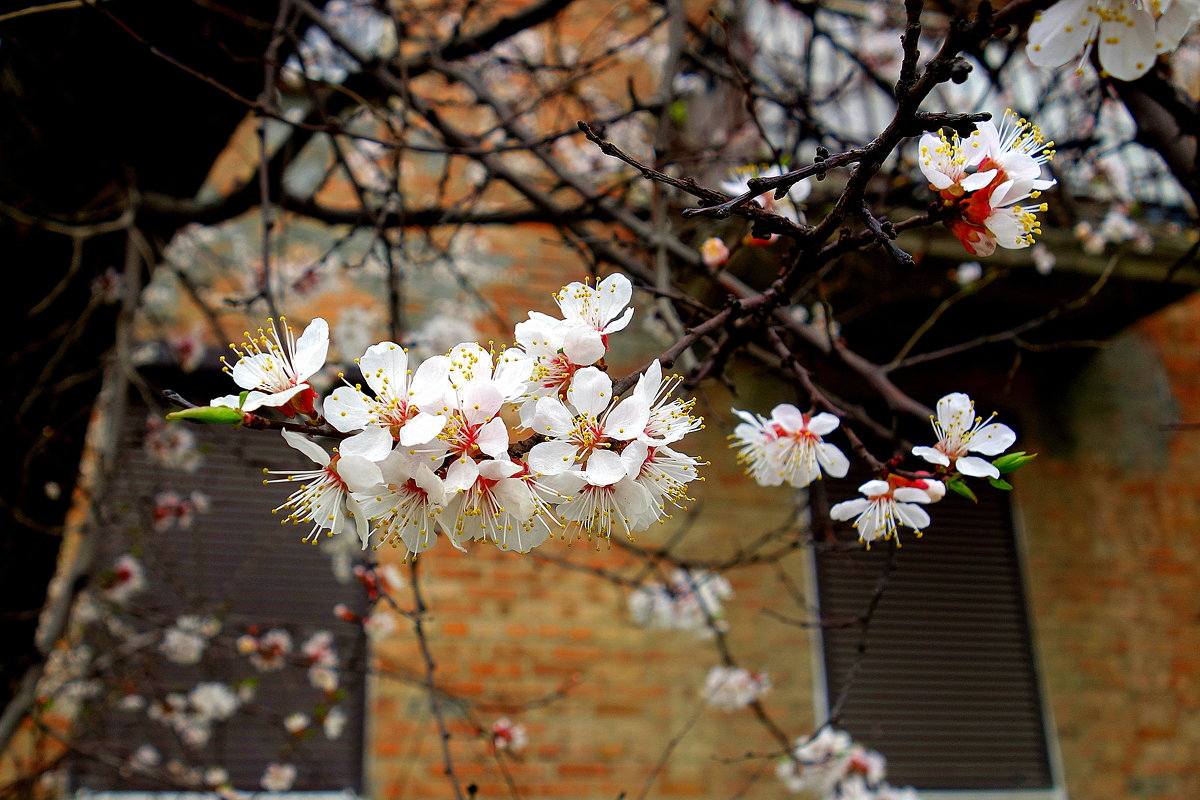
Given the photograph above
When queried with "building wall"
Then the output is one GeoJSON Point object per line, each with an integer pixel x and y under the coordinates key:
{"type": "Point", "coordinates": [1112, 523]}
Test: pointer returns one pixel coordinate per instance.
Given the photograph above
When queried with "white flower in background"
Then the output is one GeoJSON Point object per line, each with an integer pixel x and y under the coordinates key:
{"type": "Point", "coordinates": [788, 447]}
{"type": "Point", "coordinates": [731, 688]}
{"type": "Point", "coordinates": [278, 777]}
{"type": "Point", "coordinates": [334, 723]}
{"type": "Point", "coordinates": [1043, 259]}
{"type": "Point", "coordinates": [714, 253]}
{"type": "Point", "coordinates": [688, 602]}
{"type": "Point", "coordinates": [171, 509]}
{"type": "Point", "coordinates": [296, 723]}
{"type": "Point", "coordinates": [125, 579]}
{"type": "Point", "coordinates": [275, 368]}
{"type": "Point", "coordinates": [268, 652]}
{"type": "Point", "coordinates": [968, 272]}
{"type": "Point", "coordinates": [380, 624]}
{"type": "Point", "coordinates": [589, 316]}
{"type": "Point", "coordinates": [960, 432]}
{"type": "Point", "coordinates": [738, 183]}
{"type": "Point", "coordinates": [325, 499]}
{"type": "Point", "coordinates": [1131, 33]}
{"type": "Point", "coordinates": [171, 445]}
{"type": "Point", "coordinates": [509, 737]}
{"type": "Point", "coordinates": [393, 413]}
{"type": "Point", "coordinates": [213, 701]}
{"type": "Point", "coordinates": [144, 758]}
{"type": "Point", "coordinates": [887, 505]}
{"type": "Point", "coordinates": [186, 640]}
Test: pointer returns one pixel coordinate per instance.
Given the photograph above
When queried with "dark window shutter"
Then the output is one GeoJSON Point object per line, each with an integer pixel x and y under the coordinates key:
{"type": "Point", "coordinates": [947, 688]}
{"type": "Point", "coordinates": [236, 561]}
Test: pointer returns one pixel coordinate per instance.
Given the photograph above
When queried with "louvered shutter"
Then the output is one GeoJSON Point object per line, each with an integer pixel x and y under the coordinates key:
{"type": "Point", "coordinates": [237, 560]}
{"type": "Point", "coordinates": [947, 688]}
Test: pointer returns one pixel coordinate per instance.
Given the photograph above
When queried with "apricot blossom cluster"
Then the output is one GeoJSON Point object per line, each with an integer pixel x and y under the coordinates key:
{"type": "Point", "coordinates": [512, 447]}
{"type": "Point", "coordinates": [984, 179]}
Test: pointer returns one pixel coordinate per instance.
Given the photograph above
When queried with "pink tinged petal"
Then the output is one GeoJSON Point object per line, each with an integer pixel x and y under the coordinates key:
{"type": "Point", "coordinates": [305, 445]}
{"type": "Point", "coordinates": [874, 488]}
{"type": "Point", "coordinates": [385, 368]}
{"type": "Point", "coordinates": [978, 180]}
{"type": "Point", "coordinates": [551, 417]}
{"type": "Point", "coordinates": [583, 345]}
{"type": "Point", "coordinates": [993, 439]}
{"type": "Point", "coordinates": [590, 391]}
{"type": "Point", "coordinates": [1175, 22]}
{"type": "Point", "coordinates": [311, 349]}
{"type": "Point", "coordinates": [976, 467]}
{"type": "Point", "coordinates": [627, 420]}
{"type": "Point", "coordinates": [932, 455]}
{"type": "Point", "coordinates": [422, 428]}
{"type": "Point", "coordinates": [788, 416]}
{"type": "Point", "coordinates": [373, 444]}
{"type": "Point", "coordinates": [492, 438]}
{"type": "Point", "coordinates": [462, 474]}
{"type": "Point", "coordinates": [348, 409]}
{"type": "Point", "coordinates": [1127, 49]}
{"type": "Point", "coordinates": [911, 494]}
{"type": "Point", "coordinates": [551, 458]}
{"type": "Point", "coordinates": [604, 468]}
{"type": "Point", "coordinates": [359, 474]}
{"type": "Point", "coordinates": [620, 323]}
{"type": "Point", "coordinates": [480, 402]}
{"type": "Point", "coordinates": [1050, 43]}
{"type": "Point", "coordinates": [911, 516]}
{"type": "Point", "coordinates": [823, 424]}
{"type": "Point", "coordinates": [850, 508]}
{"type": "Point", "coordinates": [832, 460]}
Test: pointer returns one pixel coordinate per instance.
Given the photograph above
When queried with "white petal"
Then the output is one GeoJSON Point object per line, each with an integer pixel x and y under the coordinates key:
{"type": "Point", "coordinates": [620, 323]}
{"type": "Point", "coordinates": [627, 420]}
{"type": "Point", "coordinates": [1050, 43]}
{"type": "Point", "coordinates": [421, 429]}
{"type": "Point", "coordinates": [348, 409]}
{"type": "Point", "coordinates": [583, 345]}
{"type": "Point", "coordinates": [462, 474]}
{"type": "Point", "coordinates": [848, 509]}
{"type": "Point", "coordinates": [933, 456]}
{"type": "Point", "coordinates": [1175, 22]}
{"type": "Point", "coordinates": [492, 438]}
{"type": "Point", "coordinates": [430, 382]}
{"type": "Point", "coordinates": [311, 349]}
{"type": "Point", "coordinates": [551, 458]}
{"type": "Point", "coordinates": [874, 488]}
{"type": "Point", "coordinates": [590, 391]}
{"type": "Point", "coordinates": [832, 460]}
{"type": "Point", "coordinates": [359, 474]}
{"type": "Point", "coordinates": [385, 368]}
{"type": "Point", "coordinates": [912, 516]}
{"type": "Point", "coordinates": [1127, 49]}
{"type": "Point", "coordinates": [823, 423]}
{"type": "Point", "coordinates": [373, 444]}
{"type": "Point", "coordinates": [307, 446]}
{"type": "Point", "coordinates": [978, 180]}
{"type": "Point", "coordinates": [604, 468]}
{"type": "Point", "coordinates": [992, 440]}
{"type": "Point", "coordinates": [788, 416]}
{"type": "Point", "coordinates": [911, 494]}
{"type": "Point", "coordinates": [976, 467]}
{"type": "Point", "coordinates": [614, 293]}
{"type": "Point", "coordinates": [551, 417]}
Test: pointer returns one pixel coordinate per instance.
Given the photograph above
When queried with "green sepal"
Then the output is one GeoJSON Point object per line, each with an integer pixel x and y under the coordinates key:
{"type": "Point", "coordinates": [1000, 483]}
{"type": "Point", "coordinates": [219, 415]}
{"type": "Point", "coordinates": [1013, 461]}
{"type": "Point", "coordinates": [958, 487]}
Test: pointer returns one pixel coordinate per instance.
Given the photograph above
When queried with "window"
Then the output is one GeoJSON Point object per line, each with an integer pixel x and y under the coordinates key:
{"type": "Point", "coordinates": [946, 687]}
{"type": "Point", "coordinates": [242, 590]}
